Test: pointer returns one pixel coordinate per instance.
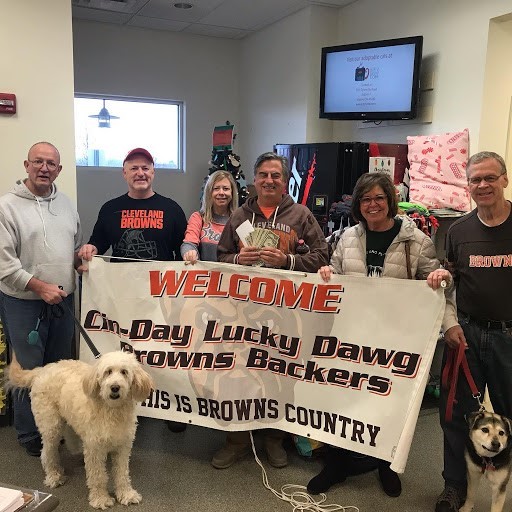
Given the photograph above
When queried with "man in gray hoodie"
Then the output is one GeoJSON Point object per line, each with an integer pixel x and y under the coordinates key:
{"type": "Point", "coordinates": [39, 237]}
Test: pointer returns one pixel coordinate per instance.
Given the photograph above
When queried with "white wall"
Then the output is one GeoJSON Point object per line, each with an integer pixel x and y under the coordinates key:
{"type": "Point", "coordinates": [497, 87]}
{"type": "Point", "coordinates": [323, 32]}
{"type": "Point", "coordinates": [127, 61]}
{"type": "Point", "coordinates": [37, 66]}
{"type": "Point", "coordinates": [496, 122]}
{"type": "Point", "coordinates": [455, 47]}
{"type": "Point", "coordinates": [274, 86]}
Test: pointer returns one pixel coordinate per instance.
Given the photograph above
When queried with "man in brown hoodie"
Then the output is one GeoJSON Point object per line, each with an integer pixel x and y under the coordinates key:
{"type": "Point", "coordinates": [301, 247]}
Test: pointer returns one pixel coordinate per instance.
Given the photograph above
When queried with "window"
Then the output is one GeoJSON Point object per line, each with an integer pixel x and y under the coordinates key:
{"type": "Point", "coordinates": [106, 128]}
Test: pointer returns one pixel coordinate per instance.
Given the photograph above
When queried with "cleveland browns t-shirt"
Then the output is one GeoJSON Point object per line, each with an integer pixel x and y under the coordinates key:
{"type": "Point", "coordinates": [149, 229]}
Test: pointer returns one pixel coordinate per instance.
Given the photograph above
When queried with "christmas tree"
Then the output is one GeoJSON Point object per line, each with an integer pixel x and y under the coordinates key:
{"type": "Point", "coordinates": [223, 159]}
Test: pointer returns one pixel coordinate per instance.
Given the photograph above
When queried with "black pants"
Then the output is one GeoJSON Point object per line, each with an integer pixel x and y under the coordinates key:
{"type": "Point", "coordinates": [350, 463]}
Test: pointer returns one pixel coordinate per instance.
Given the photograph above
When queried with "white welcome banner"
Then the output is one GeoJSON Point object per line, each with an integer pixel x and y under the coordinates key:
{"type": "Point", "coordinates": [239, 348]}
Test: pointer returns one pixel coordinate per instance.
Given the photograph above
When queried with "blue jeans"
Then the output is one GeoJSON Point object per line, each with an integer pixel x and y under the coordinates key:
{"type": "Point", "coordinates": [55, 342]}
{"type": "Point", "coordinates": [489, 358]}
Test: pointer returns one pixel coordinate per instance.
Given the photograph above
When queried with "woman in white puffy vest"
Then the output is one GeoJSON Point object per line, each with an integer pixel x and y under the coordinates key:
{"type": "Point", "coordinates": [381, 244]}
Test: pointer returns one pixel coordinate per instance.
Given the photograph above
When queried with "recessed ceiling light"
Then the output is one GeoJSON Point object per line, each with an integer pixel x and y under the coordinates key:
{"type": "Point", "coordinates": [183, 5]}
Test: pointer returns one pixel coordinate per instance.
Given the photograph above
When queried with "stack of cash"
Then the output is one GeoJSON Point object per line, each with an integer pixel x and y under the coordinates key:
{"type": "Point", "coordinates": [260, 238]}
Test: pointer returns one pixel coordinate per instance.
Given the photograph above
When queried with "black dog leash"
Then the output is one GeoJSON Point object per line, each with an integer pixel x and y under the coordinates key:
{"type": "Point", "coordinates": [56, 310]}
{"type": "Point", "coordinates": [47, 311]}
{"type": "Point", "coordinates": [83, 332]}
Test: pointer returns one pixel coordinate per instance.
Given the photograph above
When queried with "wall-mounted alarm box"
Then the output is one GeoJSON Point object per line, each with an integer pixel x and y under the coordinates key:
{"type": "Point", "coordinates": [7, 103]}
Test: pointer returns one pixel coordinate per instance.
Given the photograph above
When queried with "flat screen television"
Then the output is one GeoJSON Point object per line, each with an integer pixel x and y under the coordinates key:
{"type": "Point", "coordinates": [372, 81]}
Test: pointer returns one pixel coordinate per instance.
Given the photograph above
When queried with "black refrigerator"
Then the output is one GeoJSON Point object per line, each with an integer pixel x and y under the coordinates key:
{"type": "Point", "coordinates": [321, 173]}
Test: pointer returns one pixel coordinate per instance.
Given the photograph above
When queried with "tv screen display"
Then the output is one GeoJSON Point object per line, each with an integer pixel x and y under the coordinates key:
{"type": "Point", "coordinates": [371, 81]}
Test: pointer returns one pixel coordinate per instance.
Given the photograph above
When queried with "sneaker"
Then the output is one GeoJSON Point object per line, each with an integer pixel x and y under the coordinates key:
{"type": "Point", "coordinates": [276, 454]}
{"type": "Point", "coordinates": [229, 454]}
{"type": "Point", "coordinates": [33, 447]}
{"type": "Point", "coordinates": [450, 500]}
{"type": "Point", "coordinates": [175, 426]}
{"type": "Point", "coordinates": [390, 481]}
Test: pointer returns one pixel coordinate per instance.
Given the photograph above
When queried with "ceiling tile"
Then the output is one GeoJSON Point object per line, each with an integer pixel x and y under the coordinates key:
{"type": "Point", "coordinates": [125, 6]}
{"type": "Point", "coordinates": [157, 24]}
{"type": "Point", "coordinates": [332, 3]}
{"type": "Point", "coordinates": [165, 9]}
{"type": "Point", "coordinates": [213, 31]}
{"type": "Point", "coordinates": [247, 14]}
{"type": "Point", "coordinates": [103, 16]}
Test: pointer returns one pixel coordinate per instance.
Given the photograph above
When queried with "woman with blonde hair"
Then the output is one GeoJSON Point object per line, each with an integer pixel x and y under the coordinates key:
{"type": "Point", "coordinates": [220, 199]}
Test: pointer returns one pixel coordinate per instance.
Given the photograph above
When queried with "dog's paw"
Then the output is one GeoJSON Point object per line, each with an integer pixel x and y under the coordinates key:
{"type": "Point", "coordinates": [101, 501]}
{"type": "Point", "coordinates": [54, 479]}
{"type": "Point", "coordinates": [466, 508]}
{"type": "Point", "coordinates": [128, 497]}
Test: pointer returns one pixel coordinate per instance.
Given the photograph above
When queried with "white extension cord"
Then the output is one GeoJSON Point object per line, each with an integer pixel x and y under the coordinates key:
{"type": "Point", "coordinates": [297, 496]}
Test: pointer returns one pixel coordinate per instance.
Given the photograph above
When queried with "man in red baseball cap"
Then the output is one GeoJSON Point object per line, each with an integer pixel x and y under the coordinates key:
{"type": "Point", "coordinates": [139, 172]}
{"type": "Point", "coordinates": [140, 224]}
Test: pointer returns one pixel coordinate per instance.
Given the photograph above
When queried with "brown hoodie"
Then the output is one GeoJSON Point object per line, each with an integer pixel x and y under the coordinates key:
{"type": "Point", "coordinates": [291, 222]}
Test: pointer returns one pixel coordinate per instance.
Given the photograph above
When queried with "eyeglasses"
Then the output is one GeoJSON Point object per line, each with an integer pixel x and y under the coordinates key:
{"type": "Point", "coordinates": [366, 201]}
{"type": "Point", "coordinates": [492, 178]}
{"type": "Point", "coordinates": [38, 164]}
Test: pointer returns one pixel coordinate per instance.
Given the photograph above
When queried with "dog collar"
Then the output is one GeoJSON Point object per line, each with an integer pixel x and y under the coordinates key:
{"type": "Point", "coordinates": [487, 465]}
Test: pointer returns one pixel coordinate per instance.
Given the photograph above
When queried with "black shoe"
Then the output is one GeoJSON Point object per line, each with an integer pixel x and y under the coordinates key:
{"type": "Point", "coordinates": [33, 447]}
{"type": "Point", "coordinates": [326, 479]}
{"type": "Point", "coordinates": [390, 480]}
{"type": "Point", "coordinates": [450, 500]}
{"type": "Point", "coordinates": [337, 463]}
{"type": "Point", "coordinates": [175, 426]}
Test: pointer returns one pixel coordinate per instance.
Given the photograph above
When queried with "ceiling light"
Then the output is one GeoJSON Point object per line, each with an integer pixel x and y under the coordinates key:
{"type": "Point", "coordinates": [183, 5]}
{"type": "Point", "coordinates": [104, 117]}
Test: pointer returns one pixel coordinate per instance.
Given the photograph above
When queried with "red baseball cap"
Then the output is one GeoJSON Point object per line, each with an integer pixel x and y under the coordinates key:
{"type": "Point", "coordinates": [139, 151]}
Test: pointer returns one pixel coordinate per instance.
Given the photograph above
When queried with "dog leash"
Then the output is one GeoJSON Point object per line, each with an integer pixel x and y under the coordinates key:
{"type": "Point", "coordinates": [455, 359]}
{"type": "Point", "coordinates": [47, 312]}
{"type": "Point", "coordinates": [56, 310]}
{"type": "Point", "coordinates": [83, 332]}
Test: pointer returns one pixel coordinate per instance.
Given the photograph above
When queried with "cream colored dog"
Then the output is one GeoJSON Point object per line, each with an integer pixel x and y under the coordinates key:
{"type": "Point", "coordinates": [98, 403]}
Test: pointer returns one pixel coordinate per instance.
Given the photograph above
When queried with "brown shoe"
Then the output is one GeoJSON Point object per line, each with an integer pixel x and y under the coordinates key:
{"type": "Point", "coordinates": [229, 454]}
{"type": "Point", "coordinates": [276, 454]}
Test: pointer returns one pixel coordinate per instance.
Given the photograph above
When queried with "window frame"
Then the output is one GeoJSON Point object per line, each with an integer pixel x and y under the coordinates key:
{"type": "Point", "coordinates": [180, 169]}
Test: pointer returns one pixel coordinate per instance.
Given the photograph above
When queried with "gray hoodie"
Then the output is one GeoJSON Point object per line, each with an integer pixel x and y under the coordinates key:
{"type": "Point", "coordinates": [38, 238]}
